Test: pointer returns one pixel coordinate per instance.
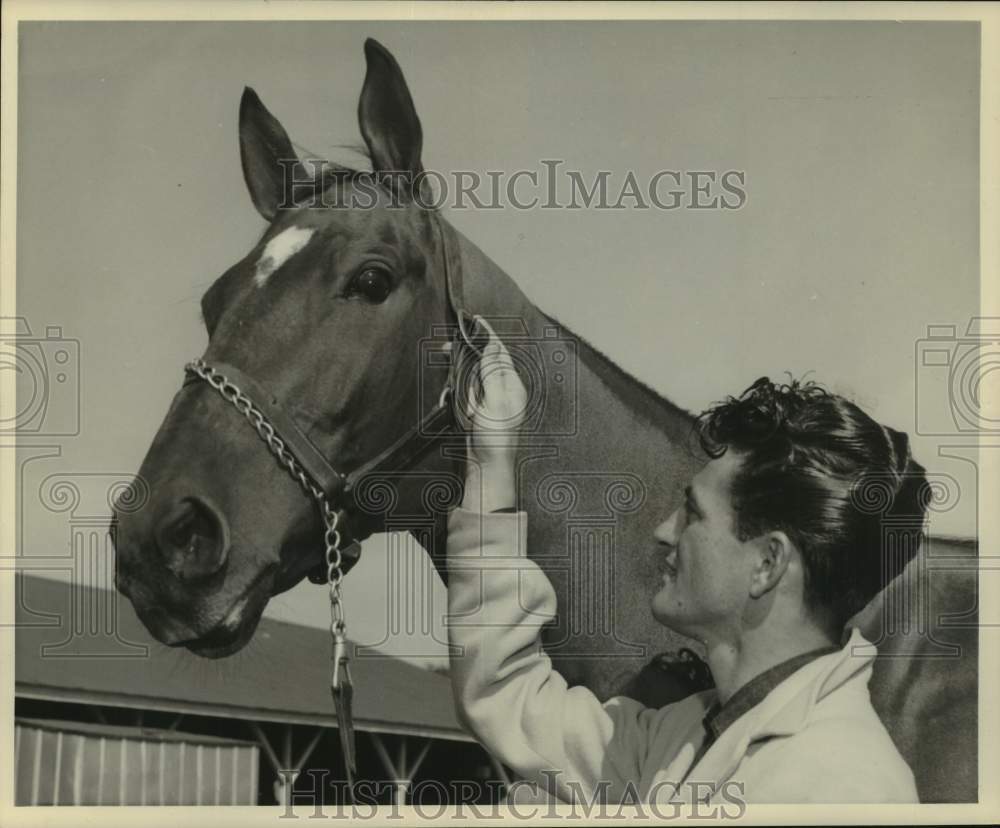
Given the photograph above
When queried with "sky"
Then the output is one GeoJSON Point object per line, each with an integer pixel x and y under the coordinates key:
{"type": "Point", "coordinates": [857, 144]}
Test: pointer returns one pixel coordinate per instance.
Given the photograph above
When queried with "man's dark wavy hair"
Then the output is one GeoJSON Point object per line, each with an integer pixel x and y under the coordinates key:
{"type": "Point", "coordinates": [842, 487]}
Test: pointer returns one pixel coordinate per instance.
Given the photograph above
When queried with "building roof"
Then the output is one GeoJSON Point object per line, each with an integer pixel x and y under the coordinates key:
{"type": "Point", "coordinates": [281, 676]}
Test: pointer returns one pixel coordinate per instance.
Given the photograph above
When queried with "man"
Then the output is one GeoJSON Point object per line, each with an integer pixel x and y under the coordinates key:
{"type": "Point", "coordinates": [777, 545]}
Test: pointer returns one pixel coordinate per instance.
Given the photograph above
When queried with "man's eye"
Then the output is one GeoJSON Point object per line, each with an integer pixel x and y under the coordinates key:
{"type": "Point", "coordinates": [372, 284]}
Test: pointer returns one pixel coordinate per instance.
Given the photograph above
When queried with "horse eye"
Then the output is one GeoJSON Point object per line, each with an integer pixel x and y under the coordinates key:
{"type": "Point", "coordinates": [372, 284]}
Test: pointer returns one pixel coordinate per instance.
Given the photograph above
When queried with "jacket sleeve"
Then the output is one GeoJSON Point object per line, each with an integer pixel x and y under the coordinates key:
{"type": "Point", "coordinates": [505, 687]}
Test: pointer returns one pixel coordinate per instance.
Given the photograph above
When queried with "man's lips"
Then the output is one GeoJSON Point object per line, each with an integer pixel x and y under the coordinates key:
{"type": "Point", "coordinates": [670, 571]}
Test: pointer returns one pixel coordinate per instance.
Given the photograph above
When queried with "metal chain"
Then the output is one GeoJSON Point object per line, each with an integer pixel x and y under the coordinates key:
{"type": "Point", "coordinates": [331, 536]}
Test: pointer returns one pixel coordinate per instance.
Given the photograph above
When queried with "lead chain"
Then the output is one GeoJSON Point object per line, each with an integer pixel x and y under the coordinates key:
{"type": "Point", "coordinates": [334, 572]}
{"type": "Point", "coordinates": [331, 519]}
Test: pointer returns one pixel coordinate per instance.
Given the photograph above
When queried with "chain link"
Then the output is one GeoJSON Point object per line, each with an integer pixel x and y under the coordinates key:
{"type": "Point", "coordinates": [331, 519]}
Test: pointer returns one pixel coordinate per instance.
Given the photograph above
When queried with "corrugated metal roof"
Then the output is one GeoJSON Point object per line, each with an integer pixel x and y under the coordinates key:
{"type": "Point", "coordinates": [282, 675]}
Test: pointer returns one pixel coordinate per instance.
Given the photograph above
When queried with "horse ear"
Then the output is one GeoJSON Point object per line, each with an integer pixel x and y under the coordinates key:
{"type": "Point", "coordinates": [270, 165]}
{"type": "Point", "coordinates": [389, 122]}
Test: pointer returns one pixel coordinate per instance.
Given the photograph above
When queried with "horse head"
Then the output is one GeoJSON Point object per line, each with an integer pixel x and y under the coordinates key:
{"type": "Point", "coordinates": [326, 314]}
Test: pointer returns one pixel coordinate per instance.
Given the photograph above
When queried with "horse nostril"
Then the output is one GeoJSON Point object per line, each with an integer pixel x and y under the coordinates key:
{"type": "Point", "coordinates": [181, 530]}
{"type": "Point", "coordinates": [192, 540]}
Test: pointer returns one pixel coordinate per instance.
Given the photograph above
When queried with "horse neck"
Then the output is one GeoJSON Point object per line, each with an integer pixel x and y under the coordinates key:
{"type": "Point", "coordinates": [607, 419]}
{"type": "Point", "coordinates": [606, 464]}
{"type": "Point", "coordinates": [487, 289]}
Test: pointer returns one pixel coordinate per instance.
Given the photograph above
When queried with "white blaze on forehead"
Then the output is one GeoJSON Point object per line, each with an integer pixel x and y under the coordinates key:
{"type": "Point", "coordinates": [279, 250]}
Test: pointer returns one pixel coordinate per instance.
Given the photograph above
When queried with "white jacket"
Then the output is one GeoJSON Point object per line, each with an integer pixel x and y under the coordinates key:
{"type": "Point", "coordinates": [814, 738]}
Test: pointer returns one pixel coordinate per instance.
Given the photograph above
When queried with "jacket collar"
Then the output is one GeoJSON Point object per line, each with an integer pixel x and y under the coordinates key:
{"type": "Point", "coordinates": [721, 716]}
{"type": "Point", "coordinates": [786, 709]}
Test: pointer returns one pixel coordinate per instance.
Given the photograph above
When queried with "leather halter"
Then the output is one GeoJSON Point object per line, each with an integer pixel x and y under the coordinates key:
{"type": "Point", "coordinates": [336, 485]}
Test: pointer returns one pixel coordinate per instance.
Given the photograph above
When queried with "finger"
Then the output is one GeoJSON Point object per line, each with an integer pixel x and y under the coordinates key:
{"type": "Point", "coordinates": [460, 404]}
{"type": "Point", "coordinates": [480, 321]}
{"type": "Point", "coordinates": [478, 334]}
{"type": "Point", "coordinates": [473, 400]}
{"type": "Point", "coordinates": [475, 390]}
{"type": "Point", "coordinates": [503, 356]}
{"type": "Point", "coordinates": [492, 338]}
{"type": "Point", "coordinates": [495, 349]}
{"type": "Point", "coordinates": [466, 390]}
{"type": "Point", "coordinates": [489, 362]}
{"type": "Point", "coordinates": [492, 369]}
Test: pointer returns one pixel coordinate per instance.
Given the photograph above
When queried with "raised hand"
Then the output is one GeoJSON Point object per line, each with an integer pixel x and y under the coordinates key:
{"type": "Point", "coordinates": [495, 410]}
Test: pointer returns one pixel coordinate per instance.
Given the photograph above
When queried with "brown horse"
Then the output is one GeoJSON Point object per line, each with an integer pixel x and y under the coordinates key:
{"type": "Point", "coordinates": [340, 319]}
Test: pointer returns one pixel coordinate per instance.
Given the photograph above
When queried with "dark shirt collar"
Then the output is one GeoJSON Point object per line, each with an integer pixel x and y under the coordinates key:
{"type": "Point", "coordinates": [720, 716]}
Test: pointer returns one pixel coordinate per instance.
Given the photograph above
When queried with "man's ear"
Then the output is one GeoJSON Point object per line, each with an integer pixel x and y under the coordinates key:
{"type": "Point", "coordinates": [270, 165]}
{"type": "Point", "coordinates": [774, 552]}
{"type": "Point", "coordinates": [388, 119]}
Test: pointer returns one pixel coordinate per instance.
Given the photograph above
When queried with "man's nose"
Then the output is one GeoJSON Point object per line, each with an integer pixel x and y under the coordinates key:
{"type": "Point", "coordinates": [666, 532]}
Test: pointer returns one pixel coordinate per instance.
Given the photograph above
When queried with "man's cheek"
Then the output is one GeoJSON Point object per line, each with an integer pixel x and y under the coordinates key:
{"type": "Point", "coordinates": [702, 589]}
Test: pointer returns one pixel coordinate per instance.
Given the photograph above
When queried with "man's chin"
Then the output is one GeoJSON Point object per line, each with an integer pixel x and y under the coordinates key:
{"type": "Point", "coordinates": [660, 613]}
{"type": "Point", "coordinates": [665, 610]}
